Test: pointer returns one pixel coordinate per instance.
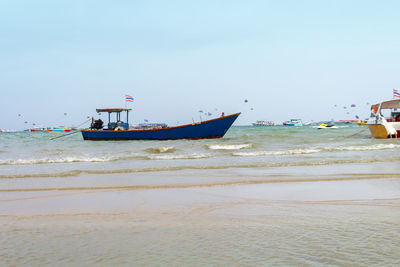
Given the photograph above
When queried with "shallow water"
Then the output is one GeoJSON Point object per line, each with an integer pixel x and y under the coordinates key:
{"type": "Point", "coordinates": [258, 196]}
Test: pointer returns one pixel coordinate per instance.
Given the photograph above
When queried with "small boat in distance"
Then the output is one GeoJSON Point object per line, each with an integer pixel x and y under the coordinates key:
{"type": "Point", "coordinates": [7, 131]}
{"type": "Point", "coordinates": [293, 122]}
{"type": "Point", "coordinates": [36, 129]}
{"type": "Point", "coordinates": [263, 123]}
{"type": "Point", "coordinates": [119, 130]}
{"type": "Point", "coordinates": [382, 127]}
{"type": "Point", "coordinates": [60, 129]}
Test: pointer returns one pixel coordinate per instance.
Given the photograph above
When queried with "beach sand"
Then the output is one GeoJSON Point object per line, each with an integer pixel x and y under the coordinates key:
{"type": "Point", "coordinates": [302, 220]}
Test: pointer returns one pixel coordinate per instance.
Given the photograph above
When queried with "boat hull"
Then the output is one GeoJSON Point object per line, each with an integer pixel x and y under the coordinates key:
{"type": "Point", "coordinates": [380, 131]}
{"type": "Point", "coordinates": [215, 128]}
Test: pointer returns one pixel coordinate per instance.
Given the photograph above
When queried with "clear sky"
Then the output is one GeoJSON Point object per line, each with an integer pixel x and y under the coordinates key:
{"type": "Point", "coordinates": [289, 59]}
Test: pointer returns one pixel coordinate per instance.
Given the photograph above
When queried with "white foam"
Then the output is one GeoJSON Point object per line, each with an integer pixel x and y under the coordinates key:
{"type": "Point", "coordinates": [363, 148]}
{"type": "Point", "coordinates": [276, 153]}
{"type": "Point", "coordinates": [53, 160]}
{"type": "Point", "coordinates": [229, 147]}
{"type": "Point", "coordinates": [316, 150]}
{"type": "Point", "coordinates": [174, 157]}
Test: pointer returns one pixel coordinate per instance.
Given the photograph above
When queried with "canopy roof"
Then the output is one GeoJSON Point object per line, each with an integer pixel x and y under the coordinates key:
{"type": "Point", "coordinates": [395, 103]}
{"type": "Point", "coordinates": [112, 109]}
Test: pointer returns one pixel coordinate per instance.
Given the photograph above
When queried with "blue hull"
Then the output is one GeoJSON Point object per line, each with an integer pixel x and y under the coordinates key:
{"type": "Point", "coordinates": [294, 124]}
{"type": "Point", "coordinates": [215, 128]}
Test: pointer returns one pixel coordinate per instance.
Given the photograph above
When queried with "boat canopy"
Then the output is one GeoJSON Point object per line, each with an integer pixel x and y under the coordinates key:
{"type": "Point", "coordinates": [388, 104]}
{"type": "Point", "coordinates": [118, 121]}
{"type": "Point", "coordinates": [110, 110]}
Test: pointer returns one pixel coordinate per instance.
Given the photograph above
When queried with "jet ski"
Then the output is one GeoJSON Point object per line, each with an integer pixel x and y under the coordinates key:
{"type": "Point", "coordinates": [325, 125]}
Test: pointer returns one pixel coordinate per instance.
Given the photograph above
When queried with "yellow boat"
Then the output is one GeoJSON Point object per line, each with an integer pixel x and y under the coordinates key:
{"type": "Point", "coordinates": [362, 123]}
{"type": "Point", "coordinates": [382, 127]}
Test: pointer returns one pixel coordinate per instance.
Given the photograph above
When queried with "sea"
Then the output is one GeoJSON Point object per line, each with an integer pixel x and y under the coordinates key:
{"type": "Point", "coordinates": [260, 196]}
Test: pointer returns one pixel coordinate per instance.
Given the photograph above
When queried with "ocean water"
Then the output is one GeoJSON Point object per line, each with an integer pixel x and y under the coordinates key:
{"type": "Point", "coordinates": [35, 155]}
{"type": "Point", "coordinates": [259, 196]}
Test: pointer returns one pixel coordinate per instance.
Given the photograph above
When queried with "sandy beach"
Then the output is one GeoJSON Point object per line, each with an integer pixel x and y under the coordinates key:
{"type": "Point", "coordinates": [317, 221]}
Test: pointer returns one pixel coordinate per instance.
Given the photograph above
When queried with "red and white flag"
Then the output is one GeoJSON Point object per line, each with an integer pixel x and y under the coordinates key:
{"type": "Point", "coordinates": [396, 93]}
{"type": "Point", "coordinates": [128, 98]}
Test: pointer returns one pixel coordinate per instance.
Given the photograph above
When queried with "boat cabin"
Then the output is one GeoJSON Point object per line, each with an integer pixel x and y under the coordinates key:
{"type": "Point", "coordinates": [392, 105]}
{"type": "Point", "coordinates": [118, 124]}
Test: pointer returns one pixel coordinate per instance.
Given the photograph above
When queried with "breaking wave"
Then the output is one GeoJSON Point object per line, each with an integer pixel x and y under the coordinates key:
{"type": "Point", "coordinates": [167, 153]}
{"type": "Point", "coordinates": [229, 147]}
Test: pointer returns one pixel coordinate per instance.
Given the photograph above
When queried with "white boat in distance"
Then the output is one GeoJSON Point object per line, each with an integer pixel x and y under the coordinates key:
{"type": "Point", "coordinates": [263, 123]}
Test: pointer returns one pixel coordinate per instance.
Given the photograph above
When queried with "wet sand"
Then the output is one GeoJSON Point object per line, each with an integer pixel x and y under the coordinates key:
{"type": "Point", "coordinates": [309, 222]}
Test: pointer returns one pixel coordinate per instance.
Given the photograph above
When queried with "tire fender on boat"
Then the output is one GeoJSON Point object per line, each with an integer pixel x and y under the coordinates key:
{"type": "Point", "coordinates": [119, 128]}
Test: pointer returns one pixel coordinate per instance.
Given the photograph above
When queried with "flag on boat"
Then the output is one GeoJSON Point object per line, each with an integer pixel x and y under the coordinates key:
{"type": "Point", "coordinates": [396, 93]}
{"type": "Point", "coordinates": [128, 98]}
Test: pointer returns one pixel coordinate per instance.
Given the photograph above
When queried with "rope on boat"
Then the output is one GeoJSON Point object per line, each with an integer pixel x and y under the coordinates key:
{"type": "Point", "coordinates": [72, 132]}
{"type": "Point", "coordinates": [64, 135]}
{"type": "Point", "coordinates": [355, 133]}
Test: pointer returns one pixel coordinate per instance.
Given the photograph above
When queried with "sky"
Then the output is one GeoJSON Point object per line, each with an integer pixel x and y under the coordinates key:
{"type": "Point", "coordinates": [306, 59]}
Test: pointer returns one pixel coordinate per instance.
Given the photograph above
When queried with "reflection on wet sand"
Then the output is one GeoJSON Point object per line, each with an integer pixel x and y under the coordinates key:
{"type": "Point", "coordinates": [309, 223]}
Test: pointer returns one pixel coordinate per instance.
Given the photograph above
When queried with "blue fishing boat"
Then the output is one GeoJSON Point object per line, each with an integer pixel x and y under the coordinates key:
{"type": "Point", "coordinates": [119, 130]}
